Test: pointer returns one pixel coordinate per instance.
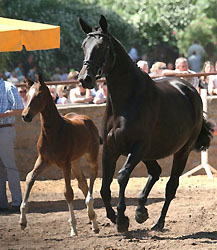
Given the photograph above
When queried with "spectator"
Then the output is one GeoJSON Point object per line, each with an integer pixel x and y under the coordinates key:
{"type": "Point", "coordinates": [209, 82]}
{"type": "Point", "coordinates": [53, 92]}
{"type": "Point", "coordinates": [28, 65]}
{"type": "Point", "coordinates": [143, 65]}
{"type": "Point", "coordinates": [63, 75]}
{"type": "Point", "coordinates": [19, 71]}
{"type": "Point", "coordinates": [157, 69]}
{"type": "Point", "coordinates": [170, 66]}
{"type": "Point", "coordinates": [181, 65]}
{"type": "Point", "coordinates": [134, 54]}
{"type": "Point", "coordinates": [101, 94]}
{"type": "Point", "coordinates": [200, 53]}
{"type": "Point", "coordinates": [23, 93]}
{"type": "Point", "coordinates": [13, 78]}
{"type": "Point", "coordinates": [60, 89]}
{"type": "Point", "coordinates": [80, 95]}
{"type": "Point", "coordinates": [10, 106]}
{"type": "Point", "coordinates": [33, 73]}
{"type": "Point", "coordinates": [194, 62]}
{"type": "Point", "coordinates": [56, 76]}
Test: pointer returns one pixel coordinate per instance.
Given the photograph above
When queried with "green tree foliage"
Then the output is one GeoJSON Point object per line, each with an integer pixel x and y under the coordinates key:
{"type": "Point", "coordinates": [148, 23]}
{"type": "Point", "coordinates": [66, 14]}
{"type": "Point", "coordinates": [203, 29]}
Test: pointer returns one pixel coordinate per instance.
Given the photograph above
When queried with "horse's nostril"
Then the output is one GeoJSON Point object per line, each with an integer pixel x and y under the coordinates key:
{"type": "Point", "coordinates": [27, 118]}
{"type": "Point", "coordinates": [88, 79]}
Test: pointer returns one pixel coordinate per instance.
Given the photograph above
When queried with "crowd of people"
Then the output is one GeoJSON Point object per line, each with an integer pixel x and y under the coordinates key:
{"type": "Point", "coordinates": [75, 93]}
{"type": "Point", "coordinates": [160, 69]}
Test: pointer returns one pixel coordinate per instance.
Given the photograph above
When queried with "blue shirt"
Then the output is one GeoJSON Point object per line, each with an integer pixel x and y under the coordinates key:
{"type": "Point", "coordinates": [10, 99]}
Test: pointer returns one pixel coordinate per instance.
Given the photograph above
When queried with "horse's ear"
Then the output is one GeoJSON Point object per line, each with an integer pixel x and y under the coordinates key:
{"type": "Point", "coordinates": [29, 82]}
{"type": "Point", "coordinates": [85, 27]}
{"type": "Point", "coordinates": [41, 78]}
{"type": "Point", "coordinates": [103, 24]}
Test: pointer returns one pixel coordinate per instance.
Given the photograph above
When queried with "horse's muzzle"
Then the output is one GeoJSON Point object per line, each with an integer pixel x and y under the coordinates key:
{"type": "Point", "coordinates": [87, 82]}
{"type": "Point", "coordinates": [27, 118]}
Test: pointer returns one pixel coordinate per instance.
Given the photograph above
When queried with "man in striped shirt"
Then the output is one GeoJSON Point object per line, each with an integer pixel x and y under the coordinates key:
{"type": "Point", "coordinates": [10, 105]}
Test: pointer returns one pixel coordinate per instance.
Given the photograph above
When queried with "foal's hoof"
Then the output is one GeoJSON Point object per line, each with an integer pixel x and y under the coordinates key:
{"type": "Point", "coordinates": [159, 226]}
{"type": "Point", "coordinates": [141, 215]}
{"type": "Point", "coordinates": [122, 226]}
{"type": "Point", "coordinates": [23, 225]}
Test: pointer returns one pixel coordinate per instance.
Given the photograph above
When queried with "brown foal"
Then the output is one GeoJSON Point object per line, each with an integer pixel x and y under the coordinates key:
{"type": "Point", "coordinates": [63, 141]}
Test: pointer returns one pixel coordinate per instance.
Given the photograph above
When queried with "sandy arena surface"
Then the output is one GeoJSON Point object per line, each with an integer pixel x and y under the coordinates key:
{"type": "Point", "coordinates": [191, 222]}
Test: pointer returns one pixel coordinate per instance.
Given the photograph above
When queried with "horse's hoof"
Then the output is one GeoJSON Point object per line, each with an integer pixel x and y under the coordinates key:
{"type": "Point", "coordinates": [113, 218]}
{"type": "Point", "coordinates": [123, 226]}
{"type": "Point", "coordinates": [96, 231]}
{"type": "Point", "coordinates": [158, 227]}
{"type": "Point", "coordinates": [141, 215]}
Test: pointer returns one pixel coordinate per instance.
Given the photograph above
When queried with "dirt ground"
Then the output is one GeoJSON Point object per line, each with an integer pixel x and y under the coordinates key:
{"type": "Point", "coordinates": [191, 222]}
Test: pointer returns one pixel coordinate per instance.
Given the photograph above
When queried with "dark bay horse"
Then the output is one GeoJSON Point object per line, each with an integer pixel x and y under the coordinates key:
{"type": "Point", "coordinates": [63, 141]}
{"type": "Point", "coordinates": [144, 120]}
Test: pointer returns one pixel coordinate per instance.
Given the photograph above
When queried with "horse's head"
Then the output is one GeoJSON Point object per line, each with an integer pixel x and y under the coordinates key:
{"type": "Point", "coordinates": [38, 95]}
{"type": "Point", "coordinates": [96, 48]}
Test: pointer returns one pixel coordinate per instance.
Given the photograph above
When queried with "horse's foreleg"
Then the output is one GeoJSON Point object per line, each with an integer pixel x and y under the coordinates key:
{"type": "Point", "coordinates": [179, 163]}
{"type": "Point", "coordinates": [69, 195]}
{"type": "Point", "coordinates": [123, 177]}
{"type": "Point", "coordinates": [108, 169]}
{"type": "Point", "coordinates": [40, 165]}
{"type": "Point", "coordinates": [154, 171]}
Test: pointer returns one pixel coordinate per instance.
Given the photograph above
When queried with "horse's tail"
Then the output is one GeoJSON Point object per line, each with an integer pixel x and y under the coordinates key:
{"type": "Point", "coordinates": [206, 134]}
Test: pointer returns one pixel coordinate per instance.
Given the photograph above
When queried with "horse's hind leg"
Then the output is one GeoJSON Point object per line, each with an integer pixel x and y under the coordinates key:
{"type": "Point", "coordinates": [154, 171]}
{"type": "Point", "coordinates": [179, 162]}
{"type": "Point", "coordinates": [89, 198]}
{"type": "Point", "coordinates": [39, 167]}
{"type": "Point", "coordinates": [69, 195]}
{"type": "Point", "coordinates": [78, 174]}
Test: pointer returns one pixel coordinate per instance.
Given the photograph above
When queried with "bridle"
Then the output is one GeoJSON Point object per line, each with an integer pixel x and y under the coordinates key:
{"type": "Point", "coordinates": [99, 68]}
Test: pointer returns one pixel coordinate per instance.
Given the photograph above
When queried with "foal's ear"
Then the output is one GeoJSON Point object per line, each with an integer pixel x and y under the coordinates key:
{"type": "Point", "coordinates": [29, 82]}
{"type": "Point", "coordinates": [85, 27]}
{"type": "Point", "coordinates": [103, 24]}
{"type": "Point", "coordinates": [41, 79]}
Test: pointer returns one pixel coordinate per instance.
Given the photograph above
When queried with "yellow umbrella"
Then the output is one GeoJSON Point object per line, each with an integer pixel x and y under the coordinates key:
{"type": "Point", "coordinates": [34, 36]}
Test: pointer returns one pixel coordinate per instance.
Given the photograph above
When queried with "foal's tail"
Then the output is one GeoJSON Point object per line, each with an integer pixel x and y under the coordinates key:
{"type": "Point", "coordinates": [206, 134]}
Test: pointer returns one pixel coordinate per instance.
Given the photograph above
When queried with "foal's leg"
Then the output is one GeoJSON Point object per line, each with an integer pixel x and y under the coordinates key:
{"type": "Point", "coordinates": [78, 174]}
{"type": "Point", "coordinates": [89, 198]}
{"type": "Point", "coordinates": [123, 177]}
{"type": "Point", "coordinates": [69, 195]}
{"type": "Point", "coordinates": [39, 167]}
{"type": "Point", "coordinates": [108, 168]}
{"type": "Point", "coordinates": [154, 171]}
{"type": "Point", "coordinates": [179, 163]}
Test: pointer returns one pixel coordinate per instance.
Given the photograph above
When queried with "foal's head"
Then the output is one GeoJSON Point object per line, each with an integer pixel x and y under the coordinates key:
{"type": "Point", "coordinates": [96, 48]}
{"type": "Point", "coordinates": [38, 97]}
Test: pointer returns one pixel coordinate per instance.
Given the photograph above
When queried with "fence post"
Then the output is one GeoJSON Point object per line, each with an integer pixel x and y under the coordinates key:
{"type": "Point", "coordinates": [204, 154]}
